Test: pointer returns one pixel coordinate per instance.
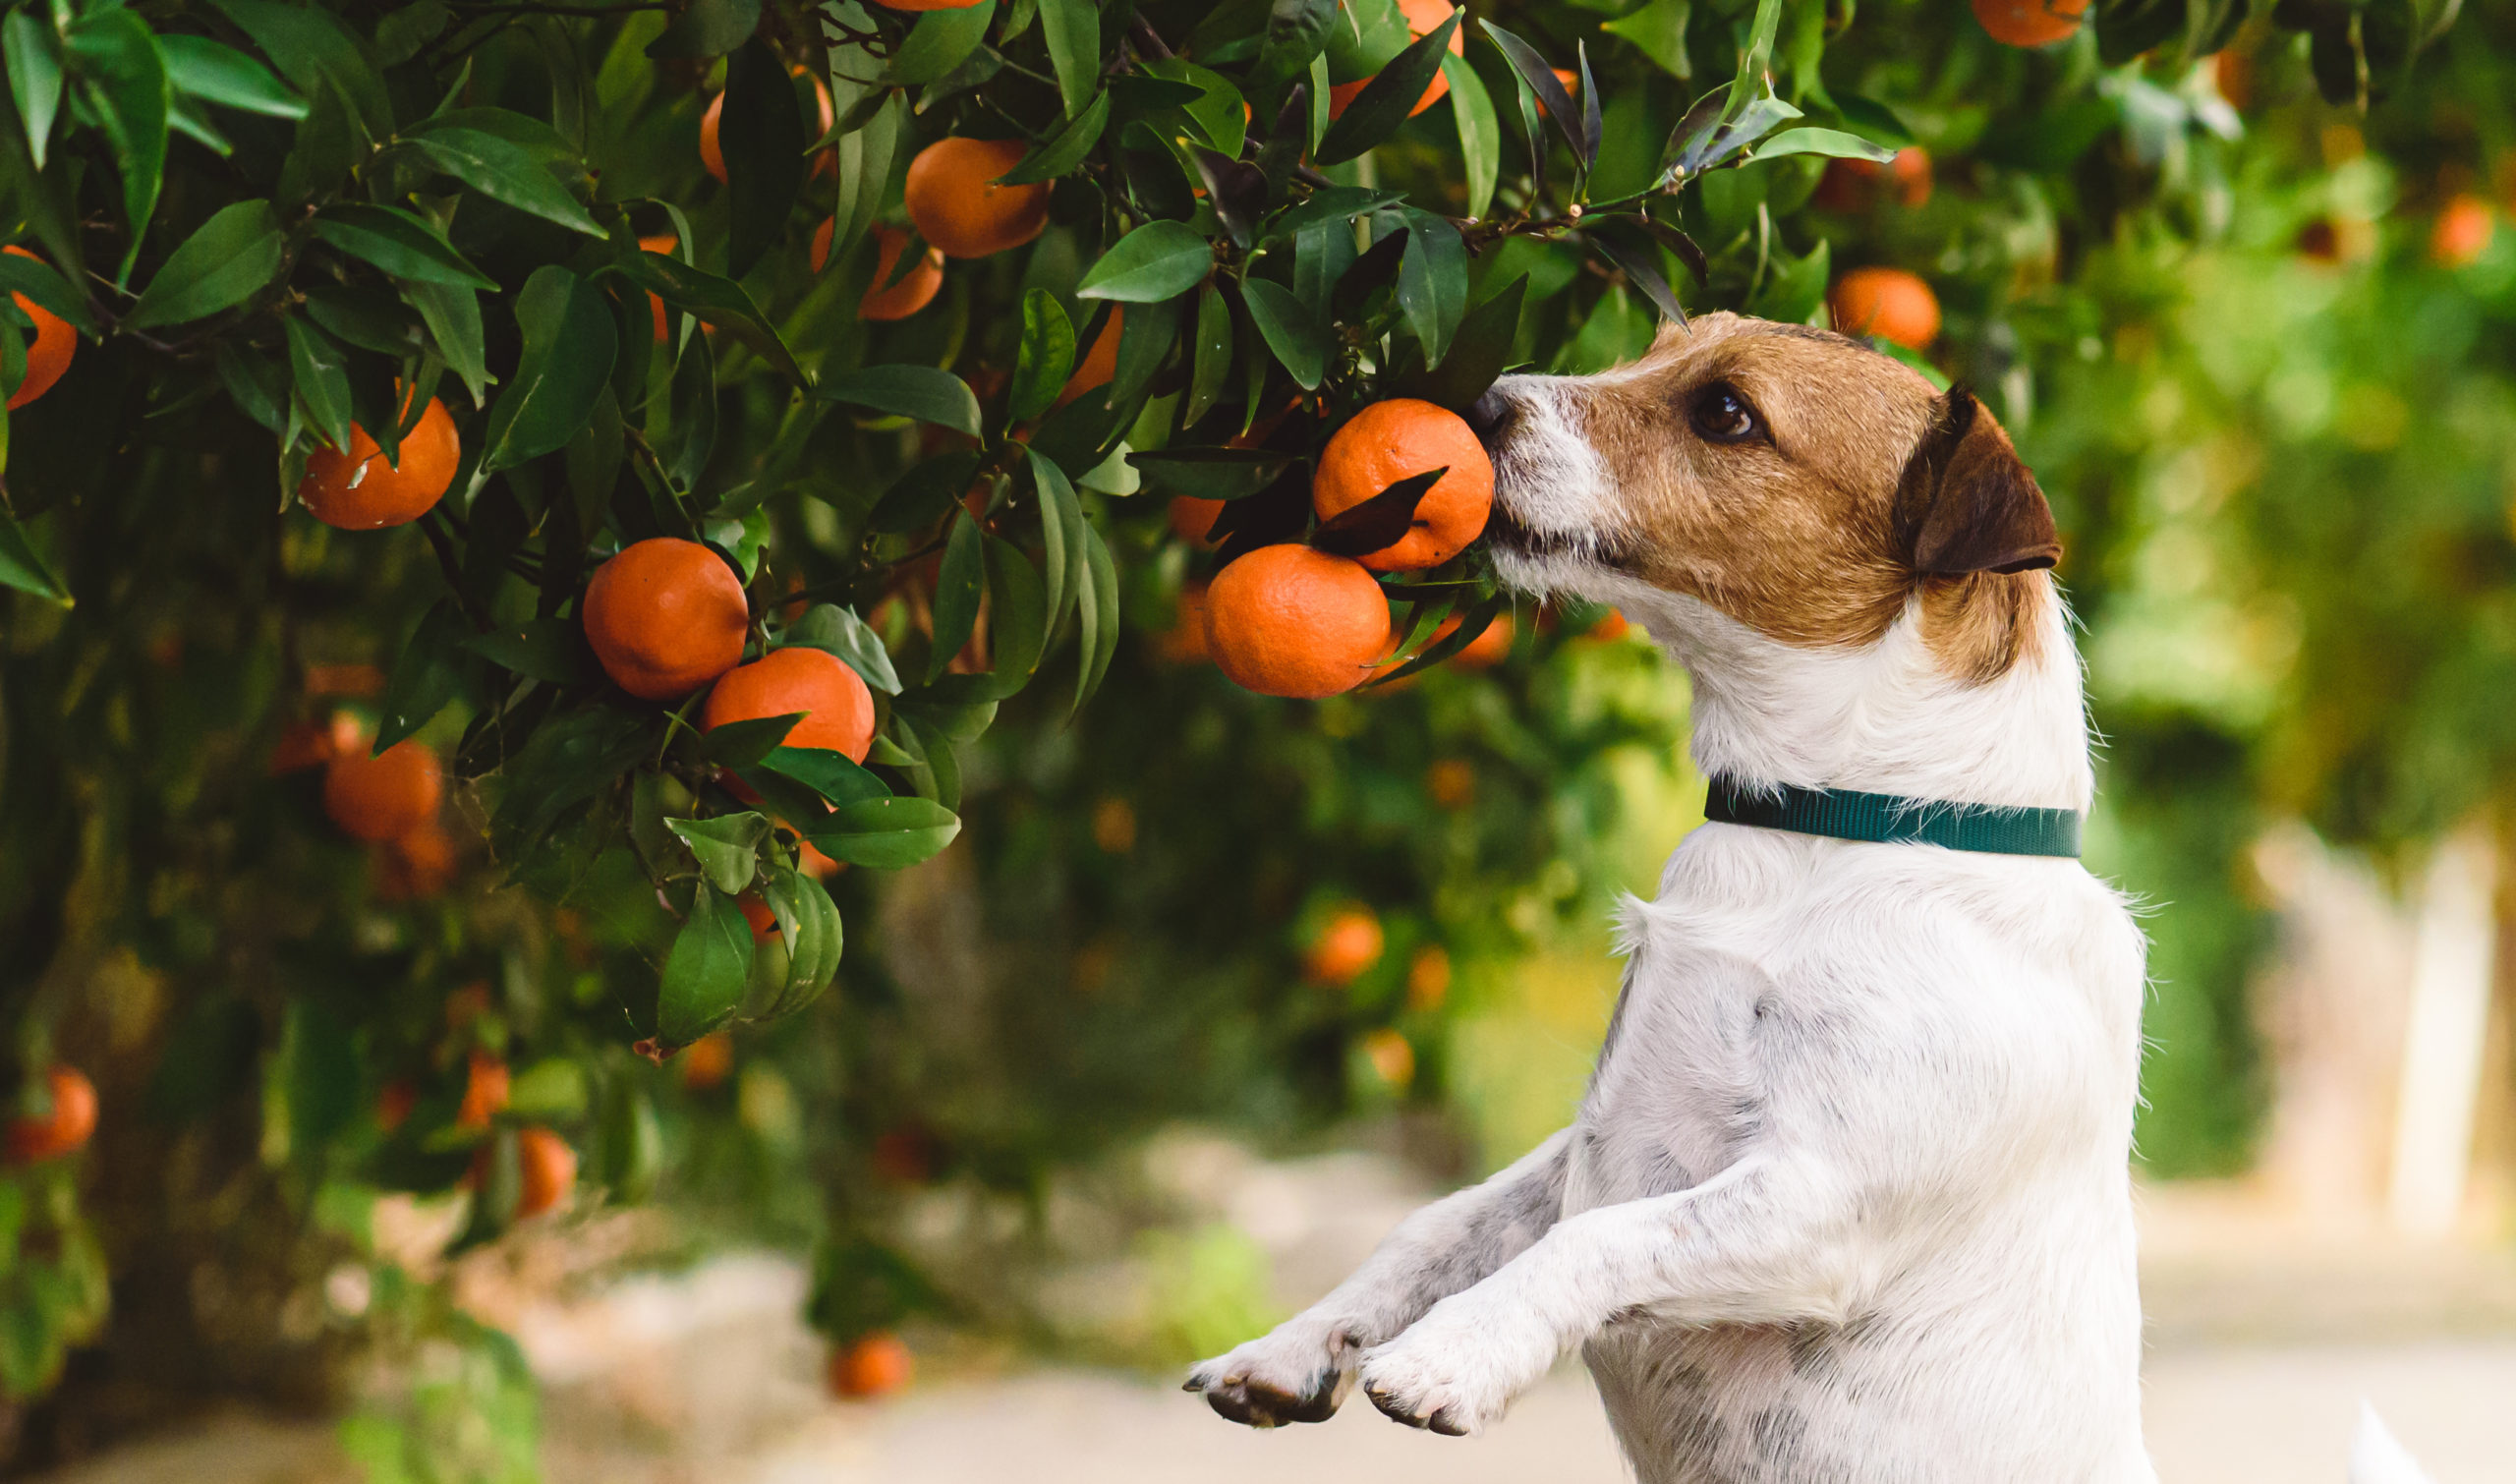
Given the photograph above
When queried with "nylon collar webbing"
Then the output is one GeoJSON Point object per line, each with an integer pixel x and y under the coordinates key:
{"type": "Point", "coordinates": [1891, 819]}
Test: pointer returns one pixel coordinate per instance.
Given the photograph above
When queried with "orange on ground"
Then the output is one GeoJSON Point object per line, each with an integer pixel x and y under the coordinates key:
{"type": "Point", "coordinates": [1193, 519]}
{"type": "Point", "coordinates": [1185, 641]}
{"type": "Point", "coordinates": [712, 152]}
{"type": "Point", "coordinates": [384, 798]}
{"type": "Point", "coordinates": [1423, 18]}
{"type": "Point", "coordinates": [873, 1365]}
{"type": "Point", "coordinates": [1349, 944]}
{"type": "Point", "coordinates": [394, 1103]}
{"type": "Point", "coordinates": [1391, 1057]}
{"type": "Point", "coordinates": [360, 491]}
{"type": "Point", "coordinates": [416, 865]}
{"type": "Point", "coordinates": [1888, 303]}
{"type": "Point", "coordinates": [550, 1168]}
{"type": "Point", "coordinates": [2464, 228]}
{"type": "Point", "coordinates": [1291, 621]}
{"type": "Point", "coordinates": [1451, 782]}
{"type": "Point", "coordinates": [1100, 362]}
{"type": "Point", "coordinates": [2030, 22]}
{"type": "Point", "coordinates": [63, 1130]}
{"type": "Point", "coordinates": [665, 616]}
{"type": "Point", "coordinates": [1428, 978]}
{"type": "Point", "coordinates": [707, 1061]}
{"type": "Point", "coordinates": [665, 245]}
{"type": "Point", "coordinates": [839, 710]}
{"type": "Point", "coordinates": [1391, 440]}
{"type": "Point", "coordinates": [48, 354]}
{"type": "Point", "coordinates": [956, 203]}
{"type": "Point", "coordinates": [916, 289]}
{"type": "Point", "coordinates": [485, 1092]}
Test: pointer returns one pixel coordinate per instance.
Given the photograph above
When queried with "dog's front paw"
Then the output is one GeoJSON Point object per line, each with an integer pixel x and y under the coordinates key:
{"type": "Point", "coordinates": [1456, 1372]}
{"type": "Point", "coordinates": [1298, 1373]}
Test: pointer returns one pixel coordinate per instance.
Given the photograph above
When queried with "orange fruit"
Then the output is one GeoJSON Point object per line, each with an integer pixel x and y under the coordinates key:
{"type": "Point", "coordinates": [1451, 782]}
{"type": "Point", "coordinates": [1193, 519]}
{"type": "Point", "coordinates": [61, 1131]}
{"type": "Point", "coordinates": [1850, 184]}
{"type": "Point", "coordinates": [1423, 18]}
{"type": "Point", "coordinates": [416, 865]}
{"type": "Point", "coordinates": [1428, 978]}
{"type": "Point", "coordinates": [1185, 641]}
{"type": "Point", "coordinates": [1391, 440]}
{"type": "Point", "coordinates": [2464, 228]}
{"type": "Point", "coordinates": [1888, 303]}
{"type": "Point", "coordinates": [1487, 648]}
{"type": "Point", "coordinates": [709, 1059]}
{"type": "Point", "coordinates": [48, 354]}
{"type": "Point", "coordinates": [916, 289]}
{"type": "Point", "coordinates": [872, 1365]}
{"type": "Point", "coordinates": [810, 860]}
{"type": "Point", "coordinates": [2030, 22]}
{"type": "Point", "coordinates": [956, 203]}
{"type": "Point", "coordinates": [362, 490]}
{"type": "Point", "coordinates": [758, 913]}
{"type": "Point", "coordinates": [1291, 621]}
{"type": "Point", "coordinates": [484, 1091]}
{"type": "Point", "coordinates": [549, 1172]}
{"type": "Point", "coordinates": [1349, 944]}
{"type": "Point", "coordinates": [385, 797]}
{"type": "Point", "coordinates": [1612, 627]}
{"type": "Point", "coordinates": [1391, 1054]}
{"type": "Point", "coordinates": [712, 153]}
{"type": "Point", "coordinates": [664, 617]}
{"type": "Point", "coordinates": [1100, 362]}
{"type": "Point", "coordinates": [665, 245]}
{"type": "Point", "coordinates": [837, 708]}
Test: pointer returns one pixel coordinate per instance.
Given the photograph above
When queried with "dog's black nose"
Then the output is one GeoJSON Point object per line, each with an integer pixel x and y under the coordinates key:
{"type": "Point", "coordinates": [1491, 417]}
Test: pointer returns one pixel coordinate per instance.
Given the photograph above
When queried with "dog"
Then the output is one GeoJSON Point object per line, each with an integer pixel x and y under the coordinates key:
{"type": "Point", "coordinates": [1848, 1200]}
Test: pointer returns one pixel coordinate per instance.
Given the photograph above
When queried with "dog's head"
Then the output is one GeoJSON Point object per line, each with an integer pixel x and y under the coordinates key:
{"type": "Point", "coordinates": [1791, 479]}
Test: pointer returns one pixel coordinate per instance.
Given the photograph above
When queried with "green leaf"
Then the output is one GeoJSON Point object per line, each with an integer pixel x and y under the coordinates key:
{"type": "Point", "coordinates": [940, 40]}
{"type": "Point", "coordinates": [1539, 81]}
{"type": "Point", "coordinates": [428, 676]}
{"type": "Point", "coordinates": [1833, 142]}
{"type": "Point", "coordinates": [839, 631]}
{"type": "Point", "coordinates": [742, 744]}
{"type": "Point", "coordinates": [689, 432]}
{"type": "Point", "coordinates": [1211, 355]}
{"type": "Point", "coordinates": [1045, 356]}
{"type": "Point", "coordinates": [316, 53]}
{"type": "Point", "coordinates": [453, 317]}
{"type": "Point", "coordinates": [1214, 474]}
{"type": "Point", "coordinates": [1873, 119]}
{"type": "Point", "coordinates": [865, 161]}
{"type": "Point", "coordinates": [705, 972]}
{"type": "Point", "coordinates": [399, 242]}
{"type": "Point", "coordinates": [1432, 282]}
{"type": "Point", "coordinates": [1219, 114]}
{"type": "Point", "coordinates": [1478, 353]}
{"type": "Point", "coordinates": [504, 172]}
{"type": "Point", "coordinates": [809, 922]}
{"type": "Point", "coordinates": [1793, 292]}
{"type": "Point", "coordinates": [727, 849]}
{"type": "Point", "coordinates": [34, 77]}
{"type": "Point", "coordinates": [716, 301]}
{"type": "Point", "coordinates": [928, 393]}
{"type": "Point", "coordinates": [1064, 149]}
{"type": "Point", "coordinates": [123, 79]}
{"type": "Point", "coordinates": [1017, 625]}
{"type": "Point", "coordinates": [1752, 59]}
{"type": "Point", "coordinates": [229, 257]}
{"type": "Point", "coordinates": [319, 369]}
{"type": "Point", "coordinates": [258, 386]}
{"type": "Point", "coordinates": [218, 73]}
{"type": "Point", "coordinates": [1072, 28]}
{"type": "Point", "coordinates": [551, 650]}
{"type": "Point", "coordinates": [36, 278]}
{"type": "Point", "coordinates": [1296, 33]}
{"type": "Point", "coordinates": [569, 341]}
{"type": "Point", "coordinates": [1480, 133]}
{"type": "Point", "coordinates": [1097, 618]}
{"type": "Point", "coordinates": [1389, 97]}
{"type": "Point", "coordinates": [708, 29]}
{"type": "Point", "coordinates": [957, 585]}
{"type": "Point", "coordinates": [1060, 537]}
{"type": "Point", "coordinates": [833, 776]}
{"type": "Point", "coordinates": [763, 135]}
{"type": "Point", "coordinates": [1158, 261]}
{"type": "Point", "coordinates": [1290, 329]}
{"type": "Point", "coordinates": [885, 834]}
{"type": "Point", "coordinates": [23, 569]}
{"type": "Point", "coordinates": [1659, 32]}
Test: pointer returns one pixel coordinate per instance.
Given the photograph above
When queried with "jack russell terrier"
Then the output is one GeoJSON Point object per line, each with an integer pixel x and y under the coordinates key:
{"type": "Point", "coordinates": [1848, 1199]}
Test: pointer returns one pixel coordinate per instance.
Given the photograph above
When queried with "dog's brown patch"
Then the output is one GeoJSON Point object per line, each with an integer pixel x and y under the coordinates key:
{"type": "Point", "coordinates": [1863, 488]}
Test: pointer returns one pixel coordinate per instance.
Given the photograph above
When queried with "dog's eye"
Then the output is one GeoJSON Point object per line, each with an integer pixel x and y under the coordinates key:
{"type": "Point", "coordinates": [1722, 416]}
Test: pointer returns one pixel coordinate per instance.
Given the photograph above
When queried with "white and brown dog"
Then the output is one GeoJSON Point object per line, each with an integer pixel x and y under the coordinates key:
{"type": "Point", "coordinates": [1848, 1201]}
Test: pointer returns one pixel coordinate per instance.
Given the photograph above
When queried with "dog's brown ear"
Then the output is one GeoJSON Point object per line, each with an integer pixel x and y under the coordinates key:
{"type": "Point", "coordinates": [1967, 501]}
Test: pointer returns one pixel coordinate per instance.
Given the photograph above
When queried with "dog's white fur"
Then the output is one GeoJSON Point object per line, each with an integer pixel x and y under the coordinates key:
{"type": "Point", "coordinates": [1848, 1200]}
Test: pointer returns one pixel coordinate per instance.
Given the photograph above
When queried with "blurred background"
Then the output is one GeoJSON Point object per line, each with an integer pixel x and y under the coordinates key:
{"type": "Point", "coordinates": [1212, 989]}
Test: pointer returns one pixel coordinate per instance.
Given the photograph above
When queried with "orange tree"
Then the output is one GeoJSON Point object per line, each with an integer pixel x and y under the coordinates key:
{"type": "Point", "coordinates": [517, 513]}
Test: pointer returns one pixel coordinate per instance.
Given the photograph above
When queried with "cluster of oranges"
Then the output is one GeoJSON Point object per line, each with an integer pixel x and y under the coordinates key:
{"type": "Point", "coordinates": [1291, 620]}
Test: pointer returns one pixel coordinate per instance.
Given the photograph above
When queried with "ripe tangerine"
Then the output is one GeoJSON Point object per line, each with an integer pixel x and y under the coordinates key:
{"type": "Point", "coordinates": [1889, 302]}
{"type": "Point", "coordinates": [485, 1085]}
{"type": "Point", "coordinates": [664, 617]}
{"type": "Point", "coordinates": [1391, 440]}
{"type": "Point", "coordinates": [872, 1365]}
{"type": "Point", "coordinates": [48, 354]}
{"type": "Point", "coordinates": [549, 1170]}
{"type": "Point", "coordinates": [387, 796]}
{"type": "Point", "coordinates": [66, 1128]}
{"type": "Point", "coordinates": [956, 203]}
{"type": "Point", "coordinates": [363, 491]}
{"type": "Point", "coordinates": [1288, 620]}
{"type": "Point", "coordinates": [883, 299]}
{"type": "Point", "coordinates": [2030, 22]}
{"type": "Point", "coordinates": [1423, 18]}
{"type": "Point", "coordinates": [837, 708]}
{"type": "Point", "coordinates": [1349, 944]}
{"type": "Point", "coordinates": [1100, 362]}
{"type": "Point", "coordinates": [2464, 228]}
